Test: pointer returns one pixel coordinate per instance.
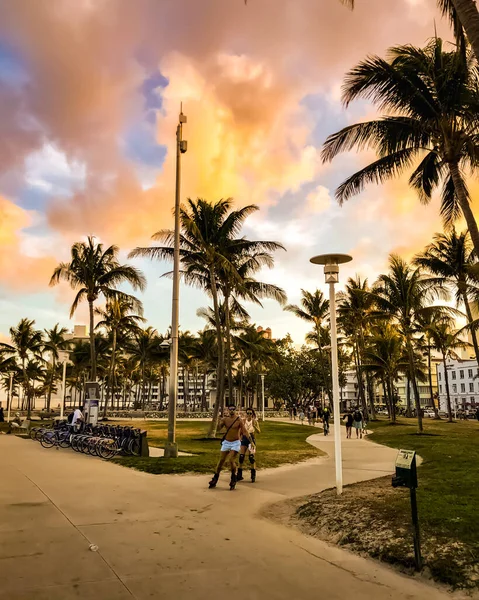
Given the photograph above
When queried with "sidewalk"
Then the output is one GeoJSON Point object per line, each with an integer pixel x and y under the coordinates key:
{"type": "Point", "coordinates": [171, 537]}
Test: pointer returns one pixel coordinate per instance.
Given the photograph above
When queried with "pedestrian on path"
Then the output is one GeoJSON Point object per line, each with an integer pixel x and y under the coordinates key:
{"type": "Point", "coordinates": [230, 444]}
{"type": "Point", "coordinates": [252, 426]}
{"type": "Point", "coordinates": [358, 423]}
{"type": "Point", "coordinates": [326, 416]}
{"type": "Point", "coordinates": [348, 417]}
{"type": "Point", "coordinates": [295, 412]}
{"type": "Point", "coordinates": [2, 417]}
{"type": "Point", "coordinates": [301, 416]}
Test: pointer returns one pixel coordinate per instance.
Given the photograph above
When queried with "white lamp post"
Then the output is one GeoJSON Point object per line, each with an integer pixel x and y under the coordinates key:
{"type": "Point", "coordinates": [331, 264]}
{"type": "Point", "coordinates": [10, 391]}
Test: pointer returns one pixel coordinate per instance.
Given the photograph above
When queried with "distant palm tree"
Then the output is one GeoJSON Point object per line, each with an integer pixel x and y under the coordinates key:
{"type": "Point", "coordinates": [445, 341]}
{"type": "Point", "coordinates": [314, 309]}
{"type": "Point", "coordinates": [55, 342]}
{"type": "Point", "coordinates": [27, 344]}
{"type": "Point", "coordinates": [431, 101]}
{"type": "Point", "coordinates": [142, 349]}
{"type": "Point", "coordinates": [450, 259]}
{"type": "Point", "coordinates": [403, 295]}
{"type": "Point", "coordinates": [94, 271]}
{"type": "Point", "coordinates": [118, 317]}
{"type": "Point", "coordinates": [208, 243]}
{"type": "Point", "coordinates": [355, 312]}
{"type": "Point", "coordinates": [386, 357]}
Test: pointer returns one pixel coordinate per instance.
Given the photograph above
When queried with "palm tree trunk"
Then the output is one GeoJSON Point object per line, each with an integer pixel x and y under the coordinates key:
{"type": "Point", "coordinates": [220, 369]}
{"type": "Point", "coordinates": [203, 392]}
{"type": "Point", "coordinates": [415, 388]}
{"type": "Point", "coordinates": [470, 319]}
{"type": "Point", "coordinates": [448, 395]}
{"type": "Point", "coordinates": [229, 366]}
{"type": "Point", "coordinates": [469, 18]}
{"type": "Point", "coordinates": [460, 187]}
{"type": "Point", "coordinates": [92, 342]}
{"type": "Point", "coordinates": [429, 372]}
{"type": "Point", "coordinates": [386, 397]}
{"type": "Point", "coordinates": [391, 399]}
{"type": "Point", "coordinates": [408, 396]}
{"type": "Point", "coordinates": [49, 397]}
{"type": "Point", "coordinates": [110, 376]}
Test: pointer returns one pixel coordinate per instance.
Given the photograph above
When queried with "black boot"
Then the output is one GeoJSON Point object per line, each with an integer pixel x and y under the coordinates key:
{"type": "Point", "coordinates": [233, 481]}
{"type": "Point", "coordinates": [239, 475]}
{"type": "Point", "coordinates": [214, 481]}
{"type": "Point", "coordinates": [253, 475]}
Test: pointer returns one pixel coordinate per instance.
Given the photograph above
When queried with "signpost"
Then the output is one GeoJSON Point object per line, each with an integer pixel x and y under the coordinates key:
{"type": "Point", "coordinates": [406, 476]}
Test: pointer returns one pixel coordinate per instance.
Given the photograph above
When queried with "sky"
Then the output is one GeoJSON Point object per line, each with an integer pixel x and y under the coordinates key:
{"type": "Point", "coordinates": [90, 92]}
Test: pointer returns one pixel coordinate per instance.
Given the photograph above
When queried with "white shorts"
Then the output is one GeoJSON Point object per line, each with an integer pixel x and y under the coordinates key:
{"type": "Point", "coordinates": [229, 446]}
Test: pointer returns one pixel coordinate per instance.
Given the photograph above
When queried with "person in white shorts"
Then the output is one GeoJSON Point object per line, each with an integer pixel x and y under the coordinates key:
{"type": "Point", "coordinates": [230, 444]}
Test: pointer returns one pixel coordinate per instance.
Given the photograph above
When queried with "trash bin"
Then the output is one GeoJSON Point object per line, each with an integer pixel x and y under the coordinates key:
{"type": "Point", "coordinates": [144, 449]}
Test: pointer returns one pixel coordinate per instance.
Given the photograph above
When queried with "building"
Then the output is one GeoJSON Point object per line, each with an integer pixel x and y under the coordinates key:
{"type": "Point", "coordinates": [265, 332]}
{"type": "Point", "coordinates": [463, 380]}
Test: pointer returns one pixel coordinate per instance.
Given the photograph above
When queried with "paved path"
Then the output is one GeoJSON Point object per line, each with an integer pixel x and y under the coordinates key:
{"type": "Point", "coordinates": [171, 537]}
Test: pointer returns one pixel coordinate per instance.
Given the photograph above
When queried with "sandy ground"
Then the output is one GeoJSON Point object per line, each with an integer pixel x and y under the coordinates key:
{"type": "Point", "coordinates": [171, 537]}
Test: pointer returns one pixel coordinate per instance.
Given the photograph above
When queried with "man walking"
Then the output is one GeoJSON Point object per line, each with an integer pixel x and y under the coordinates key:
{"type": "Point", "coordinates": [230, 444]}
{"type": "Point", "coordinates": [358, 423]}
{"type": "Point", "coordinates": [326, 416]}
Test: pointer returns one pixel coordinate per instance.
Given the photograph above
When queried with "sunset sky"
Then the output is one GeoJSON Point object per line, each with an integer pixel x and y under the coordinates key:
{"type": "Point", "coordinates": [90, 92]}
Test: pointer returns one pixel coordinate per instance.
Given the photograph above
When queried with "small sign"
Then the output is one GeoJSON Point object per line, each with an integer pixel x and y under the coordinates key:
{"type": "Point", "coordinates": [405, 459]}
{"type": "Point", "coordinates": [92, 390]}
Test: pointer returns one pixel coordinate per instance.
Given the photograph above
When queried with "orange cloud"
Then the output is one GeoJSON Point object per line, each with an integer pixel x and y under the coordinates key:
{"type": "Point", "coordinates": [19, 271]}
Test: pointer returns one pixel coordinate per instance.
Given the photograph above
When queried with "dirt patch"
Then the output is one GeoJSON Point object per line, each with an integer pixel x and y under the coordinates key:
{"type": "Point", "coordinates": [367, 519]}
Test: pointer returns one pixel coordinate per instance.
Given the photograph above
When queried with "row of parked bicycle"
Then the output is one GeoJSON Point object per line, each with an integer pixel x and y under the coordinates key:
{"type": "Point", "coordinates": [105, 441]}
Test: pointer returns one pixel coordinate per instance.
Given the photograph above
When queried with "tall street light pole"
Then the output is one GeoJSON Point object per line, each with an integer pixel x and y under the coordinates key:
{"type": "Point", "coordinates": [331, 264]}
{"type": "Point", "coordinates": [262, 396]}
{"type": "Point", "coordinates": [171, 448]}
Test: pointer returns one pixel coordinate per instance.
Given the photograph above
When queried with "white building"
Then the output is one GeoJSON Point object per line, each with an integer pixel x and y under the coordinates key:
{"type": "Point", "coordinates": [463, 378]}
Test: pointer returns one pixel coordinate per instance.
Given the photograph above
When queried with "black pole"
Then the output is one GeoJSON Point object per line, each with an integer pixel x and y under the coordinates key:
{"type": "Point", "coordinates": [415, 522]}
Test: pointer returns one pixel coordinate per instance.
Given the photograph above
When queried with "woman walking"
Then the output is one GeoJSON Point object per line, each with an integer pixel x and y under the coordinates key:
{"type": "Point", "coordinates": [251, 426]}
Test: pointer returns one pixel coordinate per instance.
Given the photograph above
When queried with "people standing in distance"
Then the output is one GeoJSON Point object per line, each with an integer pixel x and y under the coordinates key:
{"type": "Point", "coordinates": [295, 412]}
{"type": "Point", "coordinates": [358, 422]}
{"type": "Point", "coordinates": [348, 417]}
{"type": "Point", "coordinates": [251, 426]}
{"type": "Point", "coordinates": [230, 444]}
{"type": "Point", "coordinates": [2, 418]}
{"type": "Point", "coordinates": [78, 418]}
{"type": "Point", "coordinates": [301, 415]}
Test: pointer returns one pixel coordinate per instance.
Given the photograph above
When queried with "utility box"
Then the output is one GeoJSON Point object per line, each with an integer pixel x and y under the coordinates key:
{"type": "Point", "coordinates": [406, 471]}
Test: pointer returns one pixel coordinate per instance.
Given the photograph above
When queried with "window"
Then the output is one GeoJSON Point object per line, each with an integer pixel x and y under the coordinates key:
{"type": "Point", "coordinates": [454, 388]}
{"type": "Point", "coordinates": [439, 375]}
{"type": "Point", "coordinates": [471, 387]}
{"type": "Point", "coordinates": [453, 374]}
{"type": "Point", "coordinates": [461, 374]}
{"type": "Point", "coordinates": [469, 373]}
{"type": "Point", "coordinates": [472, 399]}
{"type": "Point", "coordinates": [463, 388]}
{"type": "Point", "coordinates": [440, 389]}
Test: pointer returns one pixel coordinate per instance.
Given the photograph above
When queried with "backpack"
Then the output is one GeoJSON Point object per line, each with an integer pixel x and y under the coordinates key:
{"type": "Point", "coordinates": [70, 417]}
{"type": "Point", "coordinates": [357, 416]}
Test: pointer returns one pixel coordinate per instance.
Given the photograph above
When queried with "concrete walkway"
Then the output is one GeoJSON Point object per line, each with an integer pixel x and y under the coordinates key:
{"type": "Point", "coordinates": [171, 537]}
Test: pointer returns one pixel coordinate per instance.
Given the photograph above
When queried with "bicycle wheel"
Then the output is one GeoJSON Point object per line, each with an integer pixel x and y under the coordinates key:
{"type": "Point", "coordinates": [32, 433]}
{"type": "Point", "coordinates": [39, 431]}
{"type": "Point", "coordinates": [92, 446]}
{"type": "Point", "coordinates": [75, 443]}
{"type": "Point", "coordinates": [84, 444]}
{"type": "Point", "coordinates": [48, 439]}
{"type": "Point", "coordinates": [134, 447]}
{"type": "Point", "coordinates": [64, 440]}
{"type": "Point", "coordinates": [107, 449]}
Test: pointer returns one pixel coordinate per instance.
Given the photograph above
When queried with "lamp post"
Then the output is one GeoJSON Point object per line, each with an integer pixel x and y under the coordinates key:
{"type": "Point", "coordinates": [331, 264]}
{"type": "Point", "coordinates": [171, 448]}
{"type": "Point", "coordinates": [10, 391]}
{"type": "Point", "coordinates": [262, 396]}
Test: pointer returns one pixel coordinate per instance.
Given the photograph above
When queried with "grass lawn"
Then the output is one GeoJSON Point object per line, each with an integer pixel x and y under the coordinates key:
{"type": "Point", "coordinates": [278, 444]}
{"type": "Point", "coordinates": [448, 503]}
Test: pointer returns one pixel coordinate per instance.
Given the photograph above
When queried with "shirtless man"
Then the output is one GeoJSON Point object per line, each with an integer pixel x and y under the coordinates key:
{"type": "Point", "coordinates": [230, 444]}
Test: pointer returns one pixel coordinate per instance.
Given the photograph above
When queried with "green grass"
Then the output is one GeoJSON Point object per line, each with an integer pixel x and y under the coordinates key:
{"type": "Point", "coordinates": [278, 444]}
{"type": "Point", "coordinates": [448, 479]}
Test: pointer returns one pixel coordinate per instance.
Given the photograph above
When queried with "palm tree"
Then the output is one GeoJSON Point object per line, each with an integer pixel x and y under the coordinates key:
{"type": "Point", "coordinates": [118, 317]}
{"type": "Point", "coordinates": [431, 100]}
{"type": "Point", "coordinates": [449, 259]}
{"type": "Point", "coordinates": [355, 314]}
{"type": "Point", "coordinates": [94, 271]}
{"type": "Point", "coordinates": [208, 233]}
{"type": "Point", "coordinates": [463, 13]}
{"type": "Point", "coordinates": [55, 342]}
{"type": "Point", "coordinates": [142, 350]}
{"type": "Point", "coordinates": [386, 357]}
{"type": "Point", "coordinates": [403, 296]}
{"type": "Point", "coordinates": [314, 308]}
{"type": "Point", "coordinates": [445, 341]}
{"type": "Point", "coordinates": [27, 344]}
